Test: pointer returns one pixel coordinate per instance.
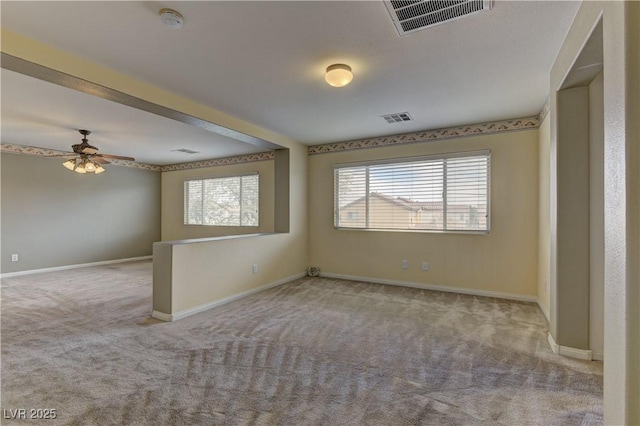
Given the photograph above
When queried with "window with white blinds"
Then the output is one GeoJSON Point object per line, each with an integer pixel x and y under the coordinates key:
{"type": "Point", "coordinates": [225, 201]}
{"type": "Point", "coordinates": [436, 193]}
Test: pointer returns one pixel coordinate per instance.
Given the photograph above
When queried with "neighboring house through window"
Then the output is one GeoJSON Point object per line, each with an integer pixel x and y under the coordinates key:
{"type": "Point", "coordinates": [441, 193]}
{"type": "Point", "coordinates": [224, 201]}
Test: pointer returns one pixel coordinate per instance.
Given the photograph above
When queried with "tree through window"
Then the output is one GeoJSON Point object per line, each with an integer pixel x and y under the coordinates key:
{"type": "Point", "coordinates": [225, 201]}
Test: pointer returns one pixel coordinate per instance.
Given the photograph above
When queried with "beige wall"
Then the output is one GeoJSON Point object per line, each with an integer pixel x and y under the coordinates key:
{"type": "Point", "coordinates": [173, 227]}
{"type": "Point", "coordinates": [544, 244]}
{"type": "Point", "coordinates": [569, 222]}
{"type": "Point", "coordinates": [596, 218]}
{"type": "Point", "coordinates": [622, 194]}
{"type": "Point", "coordinates": [204, 272]}
{"type": "Point", "coordinates": [282, 255]}
{"type": "Point", "coordinates": [504, 261]}
{"type": "Point", "coordinates": [53, 217]}
{"type": "Point", "coordinates": [633, 283]}
{"type": "Point", "coordinates": [596, 215]}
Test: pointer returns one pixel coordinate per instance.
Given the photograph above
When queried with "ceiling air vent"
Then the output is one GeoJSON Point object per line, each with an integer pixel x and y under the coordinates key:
{"type": "Point", "coordinates": [414, 15]}
{"type": "Point", "coordinates": [398, 117]}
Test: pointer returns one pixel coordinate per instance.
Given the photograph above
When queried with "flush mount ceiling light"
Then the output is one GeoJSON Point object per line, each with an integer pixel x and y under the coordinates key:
{"type": "Point", "coordinates": [171, 18]}
{"type": "Point", "coordinates": [338, 75]}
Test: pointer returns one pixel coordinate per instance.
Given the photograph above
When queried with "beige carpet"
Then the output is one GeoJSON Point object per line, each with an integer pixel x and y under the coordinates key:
{"type": "Point", "coordinates": [315, 351]}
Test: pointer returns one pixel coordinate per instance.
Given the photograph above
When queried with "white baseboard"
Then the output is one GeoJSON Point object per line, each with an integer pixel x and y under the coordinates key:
{"type": "Point", "coordinates": [162, 316]}
{"type": "Point", "coordinates": [201, 308]}
{"type": "Point", "coordinates": [567, 351]}
{"type": "Point", "coordinates": [462, 290]}
{"type": "Point", "coordinates": [66, 267]}
{"type": "Point", "coordinates": [545, 311]}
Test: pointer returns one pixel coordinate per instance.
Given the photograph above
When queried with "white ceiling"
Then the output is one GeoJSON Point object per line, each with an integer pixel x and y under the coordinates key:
{"type": "Point", "coordinates": [264, 61]}
{"type": "Point", "coordinates": [42, 114]}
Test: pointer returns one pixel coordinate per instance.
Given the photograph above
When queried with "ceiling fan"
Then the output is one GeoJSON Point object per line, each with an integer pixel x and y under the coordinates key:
{"type": "Point", "coordinates": [85, 157]}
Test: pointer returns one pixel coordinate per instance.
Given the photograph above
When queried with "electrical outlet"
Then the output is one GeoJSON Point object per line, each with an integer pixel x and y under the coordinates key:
{"type": "Point", "coordinates": [425, 266]}
{"type": "Point", "coordinates": [405, 264]}
{"type": "Point", "coordinates": [255, 268]}
{"type": "Point", "coordinates": [14, 257]}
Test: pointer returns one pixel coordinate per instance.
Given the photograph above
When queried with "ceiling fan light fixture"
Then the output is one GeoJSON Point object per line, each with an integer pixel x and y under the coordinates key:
{"type": "Point", "coordinates": [80, 168]}
{"type": "Point", "coordinates": [88, 160]}
{"type": "Point", "coordinates": [338, 75]}
{"type": "Point", "coordinates": [70, 164]}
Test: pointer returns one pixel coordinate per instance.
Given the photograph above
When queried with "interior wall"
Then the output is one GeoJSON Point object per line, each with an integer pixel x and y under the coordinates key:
{"type": "Point", "coordinates": [622, 195]}
{"type": "Point", "coordinates": [204, 272]}
{"type": "Point", "coordinates": [596, 218]}
{"type": "Point", "coordinates": [544, 244]}
{"type": "Point", "coordinates": [570, 219]}
{"type": "Point", "coordinates": [633, 278]}
{"type": "Point", "coordinates": [173, 227]}
{"type": "Point", "coordinates": [53, 217]}
{"type": "Point", "coordinates": [504, 261]}
{"type": "Point", "coordinates": [290, 250]}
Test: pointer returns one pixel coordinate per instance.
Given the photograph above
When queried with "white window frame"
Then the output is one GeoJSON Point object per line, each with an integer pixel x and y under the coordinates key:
{"type": "Point", "coordinates": [241, 210]}
{"type": "Point", "coordinates": [405, 160]}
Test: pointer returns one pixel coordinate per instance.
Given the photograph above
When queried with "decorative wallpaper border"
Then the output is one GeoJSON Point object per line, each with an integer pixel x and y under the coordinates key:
{"type": "Point", "coordinates": [45, 152]}
{"type": "Point", "coordinates": [545, 110]}
{"type": "Point", "coordinates": [401, 139]}
{"type": "Point", "coordinates": [238, 159]}
{"type": "Point", "coordinates": [429, 135]}
{"type": "Point", "coordinates": [135, 165]}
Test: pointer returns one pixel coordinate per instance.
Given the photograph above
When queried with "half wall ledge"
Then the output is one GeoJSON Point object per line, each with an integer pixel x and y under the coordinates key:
{"type": "Point", "coordinates": [191, 276]}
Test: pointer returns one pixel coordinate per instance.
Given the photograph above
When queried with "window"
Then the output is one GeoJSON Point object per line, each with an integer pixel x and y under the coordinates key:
{"type": "Point", "coordinates": [438, 193]}
{"type": "Point", "coordinates": [226, 201]}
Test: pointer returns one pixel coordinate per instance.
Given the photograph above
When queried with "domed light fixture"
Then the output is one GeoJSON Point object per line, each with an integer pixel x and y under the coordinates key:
{"type": "Point", "coordinates": [338, 75]}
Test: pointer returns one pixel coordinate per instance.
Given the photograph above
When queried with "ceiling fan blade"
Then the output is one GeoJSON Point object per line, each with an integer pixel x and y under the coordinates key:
{"type": "Point", "coordinates": [116, 157]}
{"type": "Point", "coordinates": [69, 155]}
{"type": "Point", "coordinates": [99, 160]}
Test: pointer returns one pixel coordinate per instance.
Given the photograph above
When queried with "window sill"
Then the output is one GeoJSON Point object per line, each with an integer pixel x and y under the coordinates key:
{"type": "Point", "coordinates": [416, 231]}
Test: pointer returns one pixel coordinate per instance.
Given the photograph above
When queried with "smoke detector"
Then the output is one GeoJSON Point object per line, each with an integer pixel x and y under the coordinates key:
{"type": "Point", "coordinates": [171, 18]}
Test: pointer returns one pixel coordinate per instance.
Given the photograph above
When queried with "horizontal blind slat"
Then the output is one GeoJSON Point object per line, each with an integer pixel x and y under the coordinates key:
{"type": "Point", "coordinates": [224, 201]}
{"type": "Point", "coordinates": [410, 194]}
